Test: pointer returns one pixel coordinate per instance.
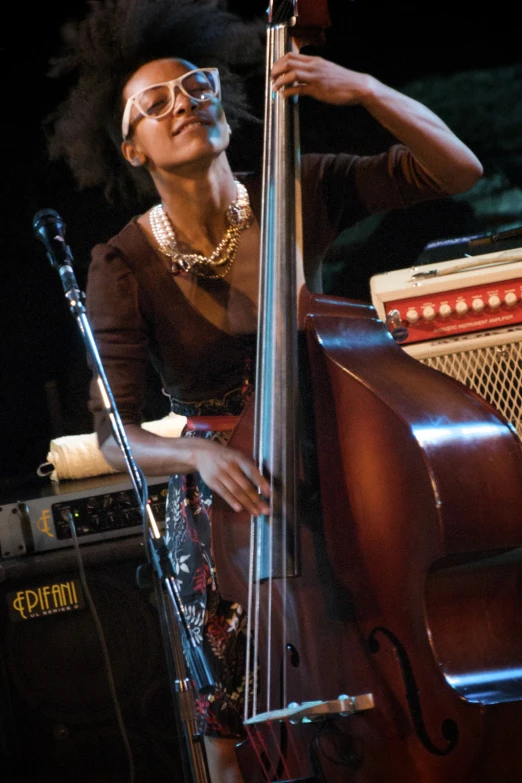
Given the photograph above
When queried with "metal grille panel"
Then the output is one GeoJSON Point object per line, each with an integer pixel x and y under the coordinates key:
{"type": "Point", "coordinates": [494, 372]}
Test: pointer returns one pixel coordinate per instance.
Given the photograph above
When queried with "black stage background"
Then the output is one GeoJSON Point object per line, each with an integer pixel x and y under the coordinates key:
{"type": "Point", "coordinates": [57, 720]}
{"type": "Point", "coordinates": [462, 60]}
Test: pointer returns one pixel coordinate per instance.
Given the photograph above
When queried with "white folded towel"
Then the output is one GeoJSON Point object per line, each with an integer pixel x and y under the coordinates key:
{"type": "Point", "coordinates": [78, 456]}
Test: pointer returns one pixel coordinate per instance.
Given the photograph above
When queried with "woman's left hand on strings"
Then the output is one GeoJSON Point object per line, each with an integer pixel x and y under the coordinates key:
{"type": "Point", "coordinates": [442, 155]}
{"type": "Point", "coordinates": [301, 74]}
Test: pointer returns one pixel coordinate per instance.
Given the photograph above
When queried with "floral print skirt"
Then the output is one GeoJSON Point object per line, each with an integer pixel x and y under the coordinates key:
{"type": "Point", "coordinates": [219, 625]}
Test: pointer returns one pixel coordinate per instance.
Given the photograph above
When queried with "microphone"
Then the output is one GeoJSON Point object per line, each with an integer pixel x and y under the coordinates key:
{"type": "Point", "coordinates": [49, 228]}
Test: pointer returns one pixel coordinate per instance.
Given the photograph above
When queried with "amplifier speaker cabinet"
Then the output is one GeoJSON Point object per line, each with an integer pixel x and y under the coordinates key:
{"type": "Point", "coordinates": [58, 719]}
{"type": "Point", "coordinates": [489, 363]}
{"type": "Point", "coordinates": [464, 318]}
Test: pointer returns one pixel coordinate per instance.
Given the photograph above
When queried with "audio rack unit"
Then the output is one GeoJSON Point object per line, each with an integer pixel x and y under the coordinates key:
{"type": "Point", "coordinates": [102, 508]}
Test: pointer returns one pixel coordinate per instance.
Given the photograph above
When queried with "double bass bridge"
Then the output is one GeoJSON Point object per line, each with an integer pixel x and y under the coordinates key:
{"type": "Point", "coordinates": [310, 711]}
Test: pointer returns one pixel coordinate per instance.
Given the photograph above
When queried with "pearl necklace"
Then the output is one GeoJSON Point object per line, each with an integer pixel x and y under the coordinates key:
{"type": "Point", "coordinates": [238, 216]}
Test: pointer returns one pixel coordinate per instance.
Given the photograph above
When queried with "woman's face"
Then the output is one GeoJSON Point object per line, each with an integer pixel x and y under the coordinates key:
{"type": "Point", "coordinates": [193, 132]}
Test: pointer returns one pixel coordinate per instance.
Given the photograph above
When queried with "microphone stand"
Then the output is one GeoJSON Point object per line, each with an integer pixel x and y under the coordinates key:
{"type": "Point", "coordinates": [186, 663]}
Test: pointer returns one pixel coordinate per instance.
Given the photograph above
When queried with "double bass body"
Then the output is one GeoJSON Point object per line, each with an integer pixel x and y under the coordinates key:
{"type": "Point", "coordinates": [409, 573]}
{"type": "Point", "coordinates": [429, 551]}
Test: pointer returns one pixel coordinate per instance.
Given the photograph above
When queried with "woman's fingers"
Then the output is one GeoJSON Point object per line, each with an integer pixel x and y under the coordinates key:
{"type": "Point", "coordinates": [249, 469]}
{"type": "Point", "coordinates": [227, 496]}
{"type": "Point", "coordinates": [241, 480]}
{"type": "Point", "coordinates": [299, 74]}
{"type": "Point", "coordinates": [241, 499]}
{"type": "Point", "coordinates": [236, 478]}
{"type": "Point", "coordinates": [292, 79]}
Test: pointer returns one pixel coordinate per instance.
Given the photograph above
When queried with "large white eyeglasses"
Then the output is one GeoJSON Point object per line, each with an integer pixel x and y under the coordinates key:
{"type": "Point", "coordinates": [157, 100]}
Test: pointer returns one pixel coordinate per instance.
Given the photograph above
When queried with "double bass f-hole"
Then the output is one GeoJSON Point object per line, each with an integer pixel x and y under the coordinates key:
{"type": "Point", "coordinates": [449, 729]}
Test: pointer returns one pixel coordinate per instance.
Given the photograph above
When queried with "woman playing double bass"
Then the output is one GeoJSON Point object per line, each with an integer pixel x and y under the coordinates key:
{"type": "Point", "coordinates": [153, 114]}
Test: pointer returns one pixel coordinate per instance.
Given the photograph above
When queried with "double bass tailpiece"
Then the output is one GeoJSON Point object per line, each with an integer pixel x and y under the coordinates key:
{"type": "Point", "coordinates": [309, 711]}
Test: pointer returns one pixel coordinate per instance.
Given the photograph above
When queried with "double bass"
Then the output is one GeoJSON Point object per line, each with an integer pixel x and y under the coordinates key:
{"type": "Point", "coordinates": [383, 590]}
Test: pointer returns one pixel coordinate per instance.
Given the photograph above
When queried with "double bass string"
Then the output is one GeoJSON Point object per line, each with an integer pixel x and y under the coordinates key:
{"type": "Point", "coordinates": [252, 654]}
{"type": "Point", "coordinates": [272, 446]}
{"type": "Point", "coordinates": [273, 538]}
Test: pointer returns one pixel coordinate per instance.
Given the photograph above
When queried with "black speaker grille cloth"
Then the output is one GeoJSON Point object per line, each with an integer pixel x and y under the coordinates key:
{"type": "Point", "coordinates": [65, 725]}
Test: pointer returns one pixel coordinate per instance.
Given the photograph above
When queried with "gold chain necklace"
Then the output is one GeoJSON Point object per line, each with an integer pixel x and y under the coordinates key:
{"type": "Point", "coordinates": [238, 216]}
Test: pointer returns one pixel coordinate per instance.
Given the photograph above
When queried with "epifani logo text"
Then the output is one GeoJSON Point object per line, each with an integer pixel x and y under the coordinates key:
{"type": "Point", "coordinates": [48, 599]}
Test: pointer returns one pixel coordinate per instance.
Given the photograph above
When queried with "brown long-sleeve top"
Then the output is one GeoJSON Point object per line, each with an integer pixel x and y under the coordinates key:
{"type": "Point", "coordinates": [139, 312]}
